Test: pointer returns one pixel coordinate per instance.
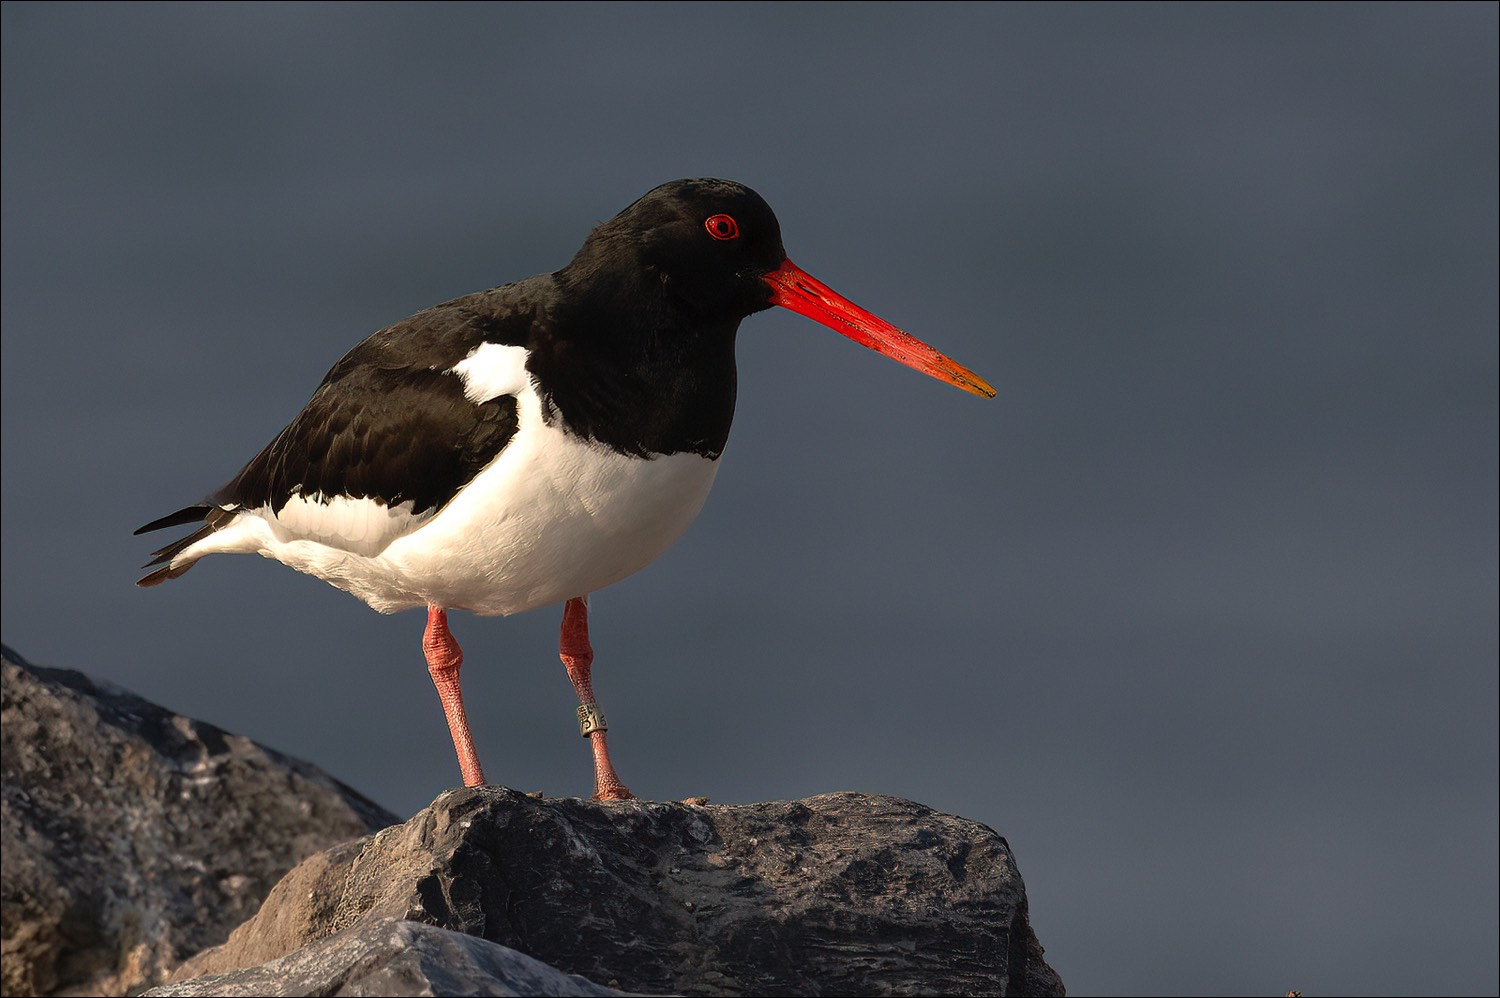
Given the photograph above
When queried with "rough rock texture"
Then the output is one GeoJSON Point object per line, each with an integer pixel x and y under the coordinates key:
{"type": "Point", "coordinates": [835, 894]}
{"type": "Point", "coordinates": [387, 956]}
{"type": "Point", "coordinates": [134, 837]}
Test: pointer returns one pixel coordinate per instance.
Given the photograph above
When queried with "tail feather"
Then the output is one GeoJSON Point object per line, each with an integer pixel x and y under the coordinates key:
{"type": "Point", "coordinates": [211, 518]}
{"type": "Point", "coordinates": [196, 513]}
{"type": "Point", "coordinates": [161, 575]}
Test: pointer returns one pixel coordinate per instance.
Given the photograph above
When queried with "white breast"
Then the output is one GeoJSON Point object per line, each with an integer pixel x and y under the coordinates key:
{"type": "Point", "coordinates": [553, 517]}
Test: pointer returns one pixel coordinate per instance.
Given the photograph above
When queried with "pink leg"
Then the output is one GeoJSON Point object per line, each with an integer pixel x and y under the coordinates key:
{"type": "Point", "coordinates": [578, 656]}
{"type": "Point", "coordinates": [444, 659]}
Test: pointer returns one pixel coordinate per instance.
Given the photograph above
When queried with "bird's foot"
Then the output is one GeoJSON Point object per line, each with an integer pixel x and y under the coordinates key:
{"type": "Point", "coordinates": [614, 791]}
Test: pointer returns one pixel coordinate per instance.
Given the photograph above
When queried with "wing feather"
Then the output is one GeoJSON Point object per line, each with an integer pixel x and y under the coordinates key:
{"type": "Point", "coordinates": [390, 423]}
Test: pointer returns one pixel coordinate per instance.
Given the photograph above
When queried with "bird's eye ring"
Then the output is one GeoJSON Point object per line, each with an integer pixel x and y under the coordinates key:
{"type": "Point", "coordinates": [722, 227]}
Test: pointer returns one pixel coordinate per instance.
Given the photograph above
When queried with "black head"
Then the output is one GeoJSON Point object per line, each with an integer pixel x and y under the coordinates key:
{"type": "Point", "coordinates": [694, 255]}
{"type": "Point", "coordinates": [708, 244]}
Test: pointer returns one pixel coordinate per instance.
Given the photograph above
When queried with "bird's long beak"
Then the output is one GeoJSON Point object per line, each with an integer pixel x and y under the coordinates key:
{"type": "Point", "coordinates": [794, 288]}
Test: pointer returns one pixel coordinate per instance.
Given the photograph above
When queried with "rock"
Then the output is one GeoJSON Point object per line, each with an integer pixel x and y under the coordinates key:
{"type": "Point", "coordinates": [389, 956]}
{"type": "Point", "coordinates": [134, 837]}
{"type": "Point", "coordinates": [836, 894]}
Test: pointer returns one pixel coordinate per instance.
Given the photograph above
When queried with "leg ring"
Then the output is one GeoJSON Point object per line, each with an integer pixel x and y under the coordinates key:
{"type": "Point", "coordinates": [591, 719]}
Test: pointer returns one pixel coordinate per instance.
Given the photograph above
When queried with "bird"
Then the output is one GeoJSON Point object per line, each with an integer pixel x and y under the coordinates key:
{"type": "Point", "coordinates": [529, 445]}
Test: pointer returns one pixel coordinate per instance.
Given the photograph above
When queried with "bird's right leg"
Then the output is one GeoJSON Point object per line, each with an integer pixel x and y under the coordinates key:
{"type": "Point", "coordinates": [444, 659]}
{"type": "Point", "coordinates": [578, 657]}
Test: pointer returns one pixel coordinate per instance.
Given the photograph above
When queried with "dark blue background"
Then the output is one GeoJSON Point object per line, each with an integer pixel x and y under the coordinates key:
{"type": "Point", "coordinates": [1200, 613]}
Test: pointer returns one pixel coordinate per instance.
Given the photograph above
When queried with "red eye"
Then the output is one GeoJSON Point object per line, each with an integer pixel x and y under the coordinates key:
{"type": "Point", "coordinates": [722, 227]}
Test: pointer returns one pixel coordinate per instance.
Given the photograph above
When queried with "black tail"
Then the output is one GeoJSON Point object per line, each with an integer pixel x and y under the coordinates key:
{"type": "Point", "coordinates": [187, 514]}
{"type": "Point", "coordinates": [211, 518]}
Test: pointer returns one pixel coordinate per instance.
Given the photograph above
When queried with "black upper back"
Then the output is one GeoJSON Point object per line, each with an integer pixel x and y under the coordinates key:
{"type": "Point", "coordinates": [631, 344]}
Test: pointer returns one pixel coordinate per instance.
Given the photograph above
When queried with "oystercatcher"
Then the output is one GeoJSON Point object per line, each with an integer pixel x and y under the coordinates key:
{"type": "Point", "coordinates": [533, 443]}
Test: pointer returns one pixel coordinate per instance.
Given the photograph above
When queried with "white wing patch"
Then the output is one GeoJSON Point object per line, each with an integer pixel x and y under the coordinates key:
{"type": "Point", "coordinates": [491, 370]}
{"type": "Point", "coordinates": [357, 526]}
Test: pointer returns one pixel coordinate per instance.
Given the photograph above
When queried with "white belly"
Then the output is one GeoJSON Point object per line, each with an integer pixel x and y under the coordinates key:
{"type": "Point", "coordinates": [552, 517]}
{"type": "Point", "coordinates": [536, 529]}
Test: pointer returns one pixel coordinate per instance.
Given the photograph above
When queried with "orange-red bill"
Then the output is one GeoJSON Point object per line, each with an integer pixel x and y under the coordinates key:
{"type": "Point", "coordinates": [796, 289]}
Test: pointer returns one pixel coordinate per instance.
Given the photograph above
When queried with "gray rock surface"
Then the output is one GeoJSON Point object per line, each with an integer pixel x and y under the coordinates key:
{"type": "Point", "coordinates": [835, 894]}
{"type": "Point", "coordinates": [134, 837]}
{"type": "Point", "coordinates": [387, 956]}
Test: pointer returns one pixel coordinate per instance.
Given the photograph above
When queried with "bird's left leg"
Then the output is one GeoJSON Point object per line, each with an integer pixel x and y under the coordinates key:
{"type": "Point", "coordinates": [578, 656]}
{"type": "Point", "coordinates": [444, 659]}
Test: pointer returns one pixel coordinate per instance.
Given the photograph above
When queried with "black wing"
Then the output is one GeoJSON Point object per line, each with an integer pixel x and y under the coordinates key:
{"type": "Point", "coordinates": [388, 422]}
